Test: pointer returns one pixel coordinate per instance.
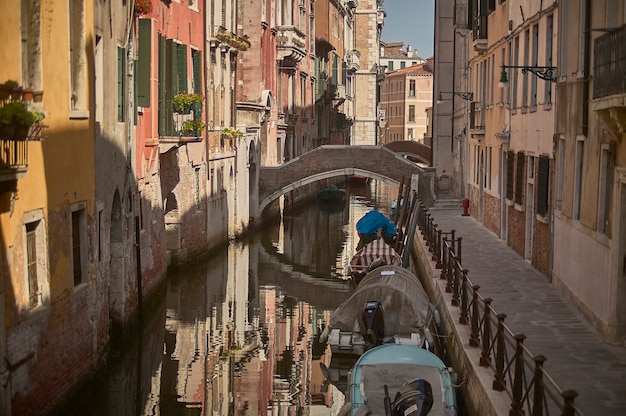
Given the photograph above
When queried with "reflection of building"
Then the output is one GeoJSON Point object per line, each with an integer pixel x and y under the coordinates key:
{"type": "Point", "coordinates": [405, 95]}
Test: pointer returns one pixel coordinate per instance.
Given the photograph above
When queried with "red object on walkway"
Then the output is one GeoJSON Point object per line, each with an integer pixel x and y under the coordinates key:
{"type": "Point", "coordinates": [465, 207]}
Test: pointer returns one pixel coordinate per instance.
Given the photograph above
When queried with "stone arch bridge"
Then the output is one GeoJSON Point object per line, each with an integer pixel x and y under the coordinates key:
{"type": "Point", "coordinates": [377, 162]}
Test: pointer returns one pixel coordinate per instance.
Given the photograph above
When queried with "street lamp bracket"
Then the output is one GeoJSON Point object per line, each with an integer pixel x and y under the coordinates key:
{"type": "Point", "coordinates": [544, 72]}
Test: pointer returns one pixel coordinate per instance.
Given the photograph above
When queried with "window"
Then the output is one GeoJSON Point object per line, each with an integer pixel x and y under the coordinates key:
{"type": "Point", "coordinates": [410, 134]}
{"type": "Point", "coordinates": [121, 84]}
{"type": "Point", "coordinates": [563, 37]}
{"type": "Point", "coordinates": [489, 167]}
{"type": "Point", "coordinates": [390, 66]}
{"type": "Point", "coordinates": [578, 176]}
{"type": "Point", "coordinates": [143, 62]}
{"type": "Point", "coordinates": [547, 93]}
{"type": "Point", "coordinates": [31, 44]}
{"type": "Point", "coordinates": [36, 259]}
{"type": "Point", "coordinates": [196, 63]}
{"type": "Point", "coordinates": [543, 178]}
{"type": "Point", "coordinates": [582, 37]}
{"type": "Point", "coordinates": [520, 178]}
{"type": "Point", "coordinates": [412, 88]}
{"type": "Point", "coordinates": [402, 64]}
{"type": "Point", "coordinates": [510, 174]}
{"type": "Point", "coordinates": [514, 76]}
{"type": "Point", "coordinates": [412, 114]}
{"type": "Point", "coordinates": [560, 172]}
{"type": "Point", "coordinates": [535, 62]}
{"type": "Point", "coordinates": [78, 61]}
{"type": "Point", "coordinates": [607, 164]}
{"type": "Point", "coordinates": [78, 237]}
{"type": "Point", "coordinates": [525, 74]}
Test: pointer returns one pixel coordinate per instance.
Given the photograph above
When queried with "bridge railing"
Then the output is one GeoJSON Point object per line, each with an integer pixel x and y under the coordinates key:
{"type": "Point", "coordinates": [516, 369]}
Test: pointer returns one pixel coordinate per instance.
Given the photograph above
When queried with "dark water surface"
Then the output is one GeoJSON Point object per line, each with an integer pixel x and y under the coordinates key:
{"type": "Point", "coordinates": [237, 334]}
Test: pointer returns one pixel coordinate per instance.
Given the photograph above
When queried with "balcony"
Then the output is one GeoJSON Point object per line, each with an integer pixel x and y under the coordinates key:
{"type": "Point", "coordinates": [477, 120]}
{"type": "Point", "coordinates": [609, 80]}
{"type": "Point", "coordinates": [340, 95]}
{"type": "Point", "coordinates": [353, 61]}
{"type": "Point", "coordinates": [479, 33]}
{"type": "Point", "coordinates": [290, 43]}
{"type": "Point", "coordinates": [179, 126]}
{"type": "Point", "coordinates": [13, 159]}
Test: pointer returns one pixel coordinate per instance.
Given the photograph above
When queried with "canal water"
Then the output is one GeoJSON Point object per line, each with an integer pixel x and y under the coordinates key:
{"type": "Point", "coordinates": [237, 333]}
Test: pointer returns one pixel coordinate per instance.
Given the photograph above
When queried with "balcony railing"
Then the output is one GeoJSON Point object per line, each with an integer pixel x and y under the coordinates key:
{"type": "Point", "coordinates": [179, 125]}
{"type": "Point", "coordinates": [13, 158]}
{"type": "Point", "coordinates": [610, 64]}
{"type": "Point", "coordinates": [479, 32]}
{"type": "Point", "coordinates": [476, 116]}
{"type": "Point", "coordinates": [353, 61]}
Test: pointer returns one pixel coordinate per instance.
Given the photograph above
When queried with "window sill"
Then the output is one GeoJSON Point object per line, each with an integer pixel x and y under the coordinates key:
{"type": "Point", "coordinates": [79, 114]}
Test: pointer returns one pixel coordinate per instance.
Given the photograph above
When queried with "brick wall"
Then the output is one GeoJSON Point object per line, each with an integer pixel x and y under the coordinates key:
{"type": "Point", "coordinates": [517, 230]}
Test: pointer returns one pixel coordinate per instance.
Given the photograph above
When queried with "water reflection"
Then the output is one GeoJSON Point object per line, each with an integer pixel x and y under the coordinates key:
{"type": "Point", "coordinates": [238, 334]}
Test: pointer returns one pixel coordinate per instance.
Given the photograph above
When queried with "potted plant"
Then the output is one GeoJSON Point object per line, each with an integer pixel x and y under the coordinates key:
{"type": "Point", "coordinates": [16, 119]}
{"type": "Point", "coordinates": [185, 102]}
{"type": "Point", "coordinates": [27, 94]}
{"type": "Point", "coordinates": [231, 133]}
{"type": "Point", "coordinates": [6, 88]}
{"type": "Point", "coordinates": [193, 128]}
{"type": "Point", "coordinates": [143, 7]}
{"type": "Point", "coordinates": [37, 96]}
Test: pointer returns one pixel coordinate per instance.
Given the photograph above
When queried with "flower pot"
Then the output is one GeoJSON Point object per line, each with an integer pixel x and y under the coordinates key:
{"type": "Point", "coordinates": [37, 96]}
{"type": "Point", "coordinates": [27, 94]}
{"type": "Point", "coordinates": [21, 132]}
{"type": "Point", "coordinates": [5, 92]}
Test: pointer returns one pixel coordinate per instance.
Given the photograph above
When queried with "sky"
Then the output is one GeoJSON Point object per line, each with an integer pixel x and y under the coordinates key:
{"type": "Point", "coordinates": [412, 22]}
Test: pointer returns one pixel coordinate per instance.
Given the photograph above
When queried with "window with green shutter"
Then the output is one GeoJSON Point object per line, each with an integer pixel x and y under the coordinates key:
{"type": "Point", "coordinates": [143, 63]}
{"type": "Point", "coordinates": [180, 72]}
{"type": "Point", "coordinates": [543, 181]}
{"type": "Point", "coordinates": [121, 84]}
{"type": "Point", "coordinates": [196, 61]}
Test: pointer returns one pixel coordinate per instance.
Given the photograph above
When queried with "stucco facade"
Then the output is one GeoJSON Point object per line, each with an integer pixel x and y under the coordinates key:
{"type": "Point", "coordinates": [590, 172]}
{"type": "Point", "coordinates": [405, 96]}
{"type": "Point", "coordinates": [48, 214]}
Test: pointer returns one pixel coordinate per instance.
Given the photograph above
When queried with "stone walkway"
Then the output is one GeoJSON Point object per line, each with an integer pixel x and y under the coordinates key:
{"type": "Point", "coordinates": [577, 357]}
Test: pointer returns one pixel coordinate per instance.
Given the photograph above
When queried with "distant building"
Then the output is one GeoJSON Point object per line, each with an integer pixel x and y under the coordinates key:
{"type": "Point", "coordinates": [394, 57]}
{"type": "Point", "coordinates": [405, 96]}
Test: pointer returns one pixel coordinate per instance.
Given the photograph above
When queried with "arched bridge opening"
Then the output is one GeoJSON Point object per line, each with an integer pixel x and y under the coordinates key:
{"type": "Point", "coordinates": [376, 162]}
{"type": "Point", "coordinates": [414, 151]}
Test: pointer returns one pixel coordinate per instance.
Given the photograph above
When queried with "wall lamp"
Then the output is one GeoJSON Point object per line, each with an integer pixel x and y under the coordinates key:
{"type": "Point", "coordinates": [544, 72]}
{"type": "Point", "coordinates": [468, 96]}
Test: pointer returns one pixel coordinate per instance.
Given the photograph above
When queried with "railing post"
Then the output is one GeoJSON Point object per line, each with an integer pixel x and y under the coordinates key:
{"type": "Point", "coordinates": [475, 311]}
{"type": "Point", "coordinates": [568, 402]}
{"type": "Point", "coordinates": [444, 261]}
{"type": "Point", "coordinates": [499, 382]}
{"type": "Point", "coordinates": [464, 302]}
{"type": "Point", "coordinates": [458, 248]}
{"type": "Point", "coordinates": [538, 384]}
{"type": "Point", "coordinates": [455, 280]}
{"type": "Point", "coordinates": [518, 377]}
{"type": "Point", "coordinates": [485, 355]}
{"type": "Point", "coordinates": [436, 250]}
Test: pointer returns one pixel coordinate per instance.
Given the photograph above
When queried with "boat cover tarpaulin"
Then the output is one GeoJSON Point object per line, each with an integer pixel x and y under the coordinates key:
{"type": "Point", "coordinates": [373, 221]}
{"type": "Point", "coordinates": [377, 249]}
{"type": "Point", "coordinates": [406, 307]}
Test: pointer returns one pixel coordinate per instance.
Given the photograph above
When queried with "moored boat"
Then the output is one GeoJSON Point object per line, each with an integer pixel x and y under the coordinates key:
{"type": "Point", "coordinates": [400, 379]}
{"type": "Point", "coordinates": [388, 306]}
{"type": "Point", "coordinates": [332, 193]}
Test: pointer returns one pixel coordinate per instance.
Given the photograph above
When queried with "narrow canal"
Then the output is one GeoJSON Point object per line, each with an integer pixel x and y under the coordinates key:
{"type": "Point", "coordinates": [237, 334]}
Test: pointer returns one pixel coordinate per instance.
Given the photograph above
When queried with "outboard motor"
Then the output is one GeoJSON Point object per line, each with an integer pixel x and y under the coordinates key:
{"type": "Point", "coordinates": [416, 401]}
{"type": "Point", "coordinates": [374, 322]}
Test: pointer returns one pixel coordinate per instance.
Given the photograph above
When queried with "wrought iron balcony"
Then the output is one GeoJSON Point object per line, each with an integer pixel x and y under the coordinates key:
{"type": "Point", "coordinates": [479, 33]}
{"type": "Point", "coordinates": [610, 64]}
{"type": "Point", "coordinates": [177, 126]}
{"type": "Point", "coordinates": [291, 43]}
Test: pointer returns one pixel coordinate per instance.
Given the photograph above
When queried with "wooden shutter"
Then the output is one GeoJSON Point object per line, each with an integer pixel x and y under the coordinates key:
{"type": "Point", "coordinates": [143, 63]}
{"type": "Point", "coordinates": [121, 84]}
{"type": "Point", "coordinates": [510, 174]}
{"type": "Point", "coordinates": [543, 182]}
{"type": "Point", "coordinates": [520, 178]}
{"type": "Point", "coordinates": [196, 60]}
{"type": "Point", "coordinates": [181, 67]}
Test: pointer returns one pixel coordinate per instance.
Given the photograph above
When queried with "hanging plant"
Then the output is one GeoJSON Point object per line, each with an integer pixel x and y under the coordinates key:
{"type": "Point", "coordinates": [185, 102]}
{"type": "Point", "coordinates": [193, 128]}
{"type": "Point", "coordinates": [231, 133]}
{"type": "Point", "coordinates": [143, 7]}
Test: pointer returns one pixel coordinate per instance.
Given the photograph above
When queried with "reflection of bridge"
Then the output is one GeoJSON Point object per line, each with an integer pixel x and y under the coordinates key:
{"type": "Point", "coordinates": [377, 162]}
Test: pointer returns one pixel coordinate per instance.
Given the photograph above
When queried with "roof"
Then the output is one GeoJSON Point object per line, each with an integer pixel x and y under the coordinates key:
{"type": "Point", "coordinates": [419, 69]}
